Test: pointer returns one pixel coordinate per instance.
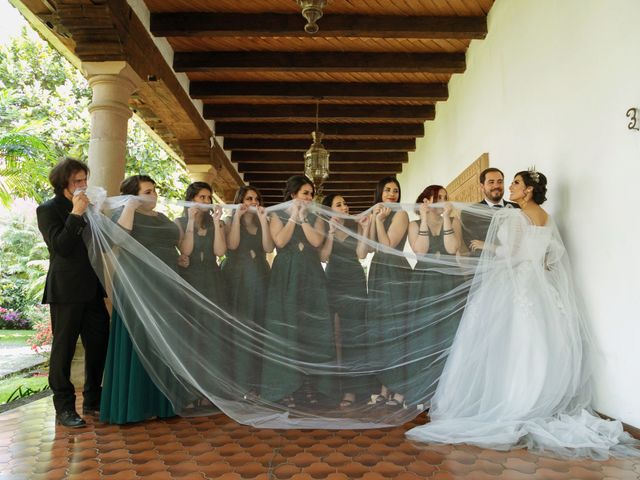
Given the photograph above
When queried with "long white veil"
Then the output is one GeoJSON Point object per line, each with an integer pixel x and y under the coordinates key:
{"type": "Point", "coordinates": [188, 343]}
{"type": "Point", "coordinates": [313, 334]}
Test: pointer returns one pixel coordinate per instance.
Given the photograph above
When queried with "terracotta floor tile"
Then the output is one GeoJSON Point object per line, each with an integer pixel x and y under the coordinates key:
{"type": "Point", "coordinates": [216, 447]}
{"type": "Point", "coordinates": [422, 468]}
{"type": "Point", "coordinates": [373, 476]}
{"type": "Point", "coordinates": [286, 471]}
{"type": "Point", "coordinates": [113, 468]}
{"type": "Point", "coordinates": [319, 470]}
{"type": "Point", "coordinates": [521, 466]}
{"type": "Point", "coordinates": [367, 459]}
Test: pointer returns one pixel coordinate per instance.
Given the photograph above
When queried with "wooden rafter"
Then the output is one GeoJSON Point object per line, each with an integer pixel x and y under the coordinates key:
{"type": "Point", "coordinates": [448, 63]}
{"type": "Point", "coordinates": [337, 157]}
{"type": "Point", "coordinates": [276, 144]}
{"type": "Point", "coordinates": [329, 113]}
{"type": "Point", "coordinates": [202, 24]}
{"type": "Point", "coordinates": [291, 91]}
{"type": "Point", "coordinates": [303, 130]}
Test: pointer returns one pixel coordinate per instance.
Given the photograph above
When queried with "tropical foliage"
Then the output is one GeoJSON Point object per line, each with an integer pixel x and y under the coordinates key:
{"type": "Point", "coordinates": [44, 116]}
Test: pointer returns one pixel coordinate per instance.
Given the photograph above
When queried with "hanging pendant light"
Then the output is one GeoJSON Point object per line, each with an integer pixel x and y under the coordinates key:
{"type": "Point", "coordinates": [316, 159]}
{"type": "Point", "coordinates": [312, 11]}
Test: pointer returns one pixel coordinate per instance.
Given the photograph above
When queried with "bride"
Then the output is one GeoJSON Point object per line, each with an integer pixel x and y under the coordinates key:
{"type": "Point", "coordinates": [518, 373]}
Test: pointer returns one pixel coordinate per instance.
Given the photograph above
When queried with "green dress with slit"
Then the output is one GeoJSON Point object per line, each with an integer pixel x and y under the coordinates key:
{"type": "Point", "coordinates": [298, 323]}
{"type": "Point", "coordinates": [387, 316]}
{"type": "Point", "coordinates": [348, 299]}
{"type": "Point", "coordinates": [245, 272]}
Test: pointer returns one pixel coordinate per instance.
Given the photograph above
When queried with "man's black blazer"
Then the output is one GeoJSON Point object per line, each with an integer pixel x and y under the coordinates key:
{"type": "Point", "coordinates": [71, 278]}
{"type": "Point", "coordinates": [475, 228]}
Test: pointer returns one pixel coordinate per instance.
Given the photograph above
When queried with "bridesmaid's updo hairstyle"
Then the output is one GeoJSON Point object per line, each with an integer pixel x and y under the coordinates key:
{"type": "Point", "coordinates": [327, 201]}
{"type": "Point", "coordinates": [242, 191]}
{"type": "Point", "coordinates": [380, 188]}
{"type": "Point", "coordinates": [294, 184]}
{"type": "Point", "coordinates": [536, 180]}
{"type": "Point", "coordinates": [430, 192]}
{"type": "Point", "coordinates": [131, 185]}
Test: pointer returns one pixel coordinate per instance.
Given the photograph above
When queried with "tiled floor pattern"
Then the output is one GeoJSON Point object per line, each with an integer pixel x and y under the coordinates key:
{"type": "Point", "coordinates": [31, 447]}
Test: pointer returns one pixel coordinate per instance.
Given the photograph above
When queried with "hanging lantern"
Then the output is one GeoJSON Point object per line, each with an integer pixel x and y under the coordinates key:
{"type": "Point", "coordinates": [312, 11]}
{"type": "Point", "coordinates": [316, 159]}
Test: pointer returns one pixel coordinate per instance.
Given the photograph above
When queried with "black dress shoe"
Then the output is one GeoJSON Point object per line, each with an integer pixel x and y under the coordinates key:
{"type": "Point", "coordinates": [70, 419]}
{"type": "Point", "coordinates": [93, 411]}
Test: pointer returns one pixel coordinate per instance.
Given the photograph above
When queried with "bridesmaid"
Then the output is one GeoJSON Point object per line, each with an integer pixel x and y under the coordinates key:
{"type": "Point", "coordinates": [202, 239]}
{"type": "Point", "coordinates": [298, 319]}
{"type": "Point", "coordinates": [433, 322]}
{"type": "Point", "coordinates": [246, 274]}
{"type": "Point", "coordinates": [129, 394]}
{"type": "Point", "coordinates": [347, 286]}
{"type": "Point", "coordinates": [387, 308]}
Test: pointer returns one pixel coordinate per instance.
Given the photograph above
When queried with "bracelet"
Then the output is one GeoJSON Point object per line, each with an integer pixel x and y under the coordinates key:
{"type": "Point", "coordinates": [448, 232]}
{"type": "Point", "coordinates": [424, 233]}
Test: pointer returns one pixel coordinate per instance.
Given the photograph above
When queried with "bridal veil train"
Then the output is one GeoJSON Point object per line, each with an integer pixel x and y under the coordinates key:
{"type": "Point", "coordinates": [516, 375]}
{"type": "Point", "coordinates": [518, 372]}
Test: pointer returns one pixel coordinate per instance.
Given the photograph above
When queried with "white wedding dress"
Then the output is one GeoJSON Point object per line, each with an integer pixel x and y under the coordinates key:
{"type": "Point", "coordinates": [518, 373]}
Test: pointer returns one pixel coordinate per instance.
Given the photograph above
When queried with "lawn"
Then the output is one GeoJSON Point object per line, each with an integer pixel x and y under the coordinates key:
{"type": "Point", "coordinates": [26, 381]}
{"type": "Point", "coordinates": [15, 337]}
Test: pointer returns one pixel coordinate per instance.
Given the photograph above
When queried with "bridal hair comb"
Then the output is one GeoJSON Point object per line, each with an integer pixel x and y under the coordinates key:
{"type": "Point", "coordinates": [533, 174]}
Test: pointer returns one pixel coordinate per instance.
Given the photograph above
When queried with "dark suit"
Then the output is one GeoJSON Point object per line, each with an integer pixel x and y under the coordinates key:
{"type": "Point", "coordinates": [475, 227]}
{"type": "Point", "coordinates": [76, 301]}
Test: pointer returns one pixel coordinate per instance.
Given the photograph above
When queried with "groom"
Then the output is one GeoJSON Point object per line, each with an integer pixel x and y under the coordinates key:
{"type": "Point", "coordinates": [474, 229]}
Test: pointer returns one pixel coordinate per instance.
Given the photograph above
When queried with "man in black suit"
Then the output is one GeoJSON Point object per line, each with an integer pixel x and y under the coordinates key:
{"type": "Point", "coordinates": [474, 228]}
{"type": "Point", "coordinates": [74, 293]}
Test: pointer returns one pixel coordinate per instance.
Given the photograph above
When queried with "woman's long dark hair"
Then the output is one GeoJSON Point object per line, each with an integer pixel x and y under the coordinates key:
{"type": "Point", "coordinates": [193, 190]}
{"type": "Point", "coordinates": [294, 184]}
{"type": "Point", "coordinates": [380, 188]}
{"type": "Point", "coordinates": [242, 191]}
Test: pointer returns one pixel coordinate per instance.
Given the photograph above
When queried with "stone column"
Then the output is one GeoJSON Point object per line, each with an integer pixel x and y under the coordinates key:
{"type": "Point", "coordinates": [112, 84]}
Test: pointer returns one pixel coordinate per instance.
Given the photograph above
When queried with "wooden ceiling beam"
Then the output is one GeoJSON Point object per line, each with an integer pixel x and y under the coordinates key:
{"type": "Point", "coordinates": [276, 145]}
{"type": "Point", "coordinates": [329, 113]}
{"type": "Point", "coordinates": [291, 91]}
{"type": "Point", "coordinates": [281, 178]}
{"type": "Point", "coordinates": [206, 24]}
{"type": "Point", "coordinates": [297, 168]}
{"type": "Point", "coordinates": [271, 191]}
{"type": "Point", "coordinates": [326, 62]}
{"type": "Point", "coordinates": [330, 130]}
{"type": "Point", "coordinates": [337, 157]}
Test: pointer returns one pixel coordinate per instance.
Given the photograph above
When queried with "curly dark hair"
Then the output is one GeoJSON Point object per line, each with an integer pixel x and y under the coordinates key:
{"type": "Point", "coordinates": [536, 180]}
{"type": "Point", "coordinates": [60, 174]}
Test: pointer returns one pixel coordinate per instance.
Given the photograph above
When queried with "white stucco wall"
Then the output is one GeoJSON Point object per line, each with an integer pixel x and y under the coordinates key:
{"type": "Point", "coordinates": [550, 86]}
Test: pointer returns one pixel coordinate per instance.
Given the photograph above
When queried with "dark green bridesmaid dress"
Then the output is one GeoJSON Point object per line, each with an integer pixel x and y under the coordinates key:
{"type": "Point", "coordinates": [298, 322]}
{"type": "Point", "coordinates": [437, 308]}
{"type": "Point", "coordinates": [388, 315]}
{"type": "Point", "coordinates": [347, 285]}
{"type": "Point", "coordinates": [246, 275]}
{"type": "Point", "coordinates": [128, 393]}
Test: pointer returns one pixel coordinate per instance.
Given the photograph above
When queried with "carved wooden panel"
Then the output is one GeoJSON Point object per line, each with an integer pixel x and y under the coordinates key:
{"type": "Point", "coordinates": [464, 188]}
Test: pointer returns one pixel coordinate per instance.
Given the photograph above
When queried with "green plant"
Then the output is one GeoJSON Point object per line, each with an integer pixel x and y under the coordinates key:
{"type": "Point", "coordinates": [40, 320]}
{"type": "Point", "coordinates": [23, 391]}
